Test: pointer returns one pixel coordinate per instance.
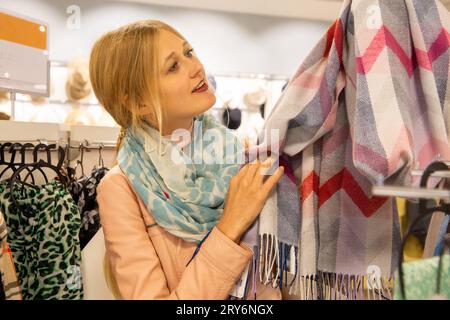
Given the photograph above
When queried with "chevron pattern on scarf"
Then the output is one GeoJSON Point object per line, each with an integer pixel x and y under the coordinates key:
{"type": "Point", "coordinates": [367, 105]}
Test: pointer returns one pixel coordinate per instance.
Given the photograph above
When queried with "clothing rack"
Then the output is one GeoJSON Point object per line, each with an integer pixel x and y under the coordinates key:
{"type": "Point", "coordinates": [57, 143]}
{"type": "Point", "coordinates": [245, 75]}
{"type": "Point", "coordinates": [436, 174]}
{"type": "Point", "coordinates": [64, 102]}
{"type": "Point", "coordinates": [410, 192]}
{"type": "Point", "coordinates": [240, 108]}
{"type": "Point", "coordinates": [93, 145]}
{"type": "Point", "coordinates": [40, 141]}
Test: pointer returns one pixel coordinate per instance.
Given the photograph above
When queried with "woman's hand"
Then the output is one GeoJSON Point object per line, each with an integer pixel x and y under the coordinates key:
{"type": "Point", "coordinates": [246, 197]}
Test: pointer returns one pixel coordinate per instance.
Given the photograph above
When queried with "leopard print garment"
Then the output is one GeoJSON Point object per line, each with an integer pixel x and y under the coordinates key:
{"type": "Point", "coordinates": [84, 193]}
{"type": "Point", "coordinates": [43, 236]}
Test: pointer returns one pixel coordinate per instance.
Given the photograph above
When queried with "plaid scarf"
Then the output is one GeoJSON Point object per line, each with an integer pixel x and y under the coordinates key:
{"type": "Point", "coordinates": [370, 102]}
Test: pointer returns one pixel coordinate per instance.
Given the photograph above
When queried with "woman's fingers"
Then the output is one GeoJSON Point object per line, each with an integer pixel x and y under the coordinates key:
{"type": "Point", "coordinates": [252, 170]}
{"type": "Point", "coordinates": [272, 181]}
{"type": "Point", "coordinates": [242, 172]}
{"type": "Point", "coordinates": [263, 169]}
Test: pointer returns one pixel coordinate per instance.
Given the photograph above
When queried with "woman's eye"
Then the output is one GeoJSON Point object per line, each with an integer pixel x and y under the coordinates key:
{"type": "Point", "coordinates": [173, 67]}
{"type": "Point", "coordinates": [190, 52]}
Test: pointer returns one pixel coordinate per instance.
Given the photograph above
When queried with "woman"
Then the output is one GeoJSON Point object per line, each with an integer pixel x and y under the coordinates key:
{"type": "Point", "coordinates": [172, 230]}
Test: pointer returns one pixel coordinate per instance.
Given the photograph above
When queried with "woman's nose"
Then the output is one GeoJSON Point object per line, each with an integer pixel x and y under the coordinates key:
{"type": "Point", "coordinates": [196, 68]}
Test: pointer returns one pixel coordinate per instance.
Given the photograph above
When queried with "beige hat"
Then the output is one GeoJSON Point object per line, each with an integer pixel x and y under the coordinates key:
{"type": "Point", "coordinates": [4, 116]}
{"type": "Point", "coordinates": [37, 99]}
{"type": "Point", "coordinates": [4, 95]}
{"type": "Point", "coordinates": [255, 99]}
{"type": "Point", "coordinates": [79, 116]}
{"type": "Point", "coordinates": [78, 86]}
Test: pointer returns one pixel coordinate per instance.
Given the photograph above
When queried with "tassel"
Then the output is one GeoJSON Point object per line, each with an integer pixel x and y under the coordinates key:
{"type": "Point", "coordinates": [255, 262]}
{"type": "Point", "coordinates": [272, 258]}
{"type": "Point", "coordinates": [295, 265]}
{"type": "Point", "coordinates": [306, 288]}
{"type": "Point", "coordinates": [287, 252]}
{"type": "Point", "coordinates": [267, 256]}
{"type": "Point", "coordinates": [261, 262]}
{"type": "Point", "coordinates": [281, 264]}
{"type": "Point", "coordinates": [277, 255]}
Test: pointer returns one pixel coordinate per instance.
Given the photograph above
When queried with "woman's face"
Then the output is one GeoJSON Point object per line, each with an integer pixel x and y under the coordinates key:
{"type": "Point", "coordinates": [184, 87]}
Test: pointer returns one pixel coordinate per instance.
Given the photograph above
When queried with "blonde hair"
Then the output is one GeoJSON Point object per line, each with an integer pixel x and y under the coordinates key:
{"type": "Point", "coordinates": [110, 280]}
{"type": "Point", "coordinates": [124, 72]}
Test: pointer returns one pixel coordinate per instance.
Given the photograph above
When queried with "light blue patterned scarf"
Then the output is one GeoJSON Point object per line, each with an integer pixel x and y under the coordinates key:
{"type": "Point", "coordinates": [185, 190]}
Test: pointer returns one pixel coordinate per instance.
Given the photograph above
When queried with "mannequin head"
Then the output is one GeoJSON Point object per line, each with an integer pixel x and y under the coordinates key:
{"type": "Point", "coordinates": [147, 71]}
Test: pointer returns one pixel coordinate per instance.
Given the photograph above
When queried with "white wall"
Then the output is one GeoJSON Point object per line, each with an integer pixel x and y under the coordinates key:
{"type": "Point", "coordinates": [225, 42]}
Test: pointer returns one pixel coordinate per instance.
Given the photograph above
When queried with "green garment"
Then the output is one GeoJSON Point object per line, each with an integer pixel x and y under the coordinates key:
{"type": "Point", "coordinates": [43, 236]}
{"type": "Point", "coordinates": [420, 279]}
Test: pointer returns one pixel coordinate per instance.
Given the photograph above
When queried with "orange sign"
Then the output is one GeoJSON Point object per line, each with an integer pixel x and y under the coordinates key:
{"type": "Point", "coordinates": [24, 32]}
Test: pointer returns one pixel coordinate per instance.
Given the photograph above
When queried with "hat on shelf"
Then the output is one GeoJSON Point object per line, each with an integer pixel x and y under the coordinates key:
{"type": "Point", "coordinates": [4, 116]}
{"type": "Point", "coordinates": [35, 99]}
{"type": "Point", "coordinates": [4, 95]}
{"type": "Point", "coordinates": [231, 117]}
{"type": "Point", "coordinates": [38, 99]}
{"type": "Point", "coordinates": [78, 86]}
{"type": "Point", "coordinates": [254, 99]}
{"type": "Point", "coordinates": [79, 115]}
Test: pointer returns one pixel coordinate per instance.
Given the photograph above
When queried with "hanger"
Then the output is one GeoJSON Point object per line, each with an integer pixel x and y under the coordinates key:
{"type": "Point", "coordinates": [12, 150]}
{"type": "Point", "coordinates": [101, 163]}
{"type": "Point", "coordinates": [37, 163]}
{"type": "Point", "coordinates": [16, 178]}
{"type": "Point", "coordinates": [80, 161]}
{"type": "Point", "coordinates": [428, 172]}
{"type": "Point", "coordinates": [2, 152]}
{"type": "Point", "coordinates": [2, 157]}
{"type": "Point", "coordinates": [23, 160]}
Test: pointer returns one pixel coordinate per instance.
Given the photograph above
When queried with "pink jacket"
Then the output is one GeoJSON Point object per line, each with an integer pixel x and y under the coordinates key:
{"type": "Point", "coordinates": [147, 262]}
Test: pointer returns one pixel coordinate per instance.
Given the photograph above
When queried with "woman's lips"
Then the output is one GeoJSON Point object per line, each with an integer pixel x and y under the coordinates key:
{"type": "Point", "coordinates": [203, 88]}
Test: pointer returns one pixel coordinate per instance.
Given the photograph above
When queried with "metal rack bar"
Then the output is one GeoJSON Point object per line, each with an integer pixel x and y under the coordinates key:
{"type": "Point", "coordinates": [86, 144]}
{"type": "Point", "coordinates": [40, 141]}
{"type": "Point", "coordinates": [410, 192]}
{"type": "Point", "coordinates": [436, 174]}
{"type": "Point", "coordinates": [261, 76]}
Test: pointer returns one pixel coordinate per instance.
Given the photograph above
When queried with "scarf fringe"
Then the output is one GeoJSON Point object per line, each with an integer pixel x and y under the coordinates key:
{"type": "Point", "coordinates": [277, 260]}
{"type": "Point", "coordinates": [332, 286]}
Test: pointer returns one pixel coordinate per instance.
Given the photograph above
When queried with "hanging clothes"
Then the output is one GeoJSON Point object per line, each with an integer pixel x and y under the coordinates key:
{"type": "Point", "coordinates": [366, 105]}
{"type": "Point", "coordinates": [433, 237]}
{"type": "Point", "coordinates": [441, 236]}
{"type": "Point", "coordinates": [421, 278]}
{"type": "Point", "coordinates": [84, 193]}
{"type": "Point", "coordinates": [9, 283]}
{"type": "Point", "coordinates": [43, 236]}
{"type": "Point", "coordinates": [2, 288]}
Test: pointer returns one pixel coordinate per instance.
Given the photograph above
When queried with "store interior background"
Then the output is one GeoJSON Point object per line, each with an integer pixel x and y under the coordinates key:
{"type": "Point", "coordinates": [240, 37]}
